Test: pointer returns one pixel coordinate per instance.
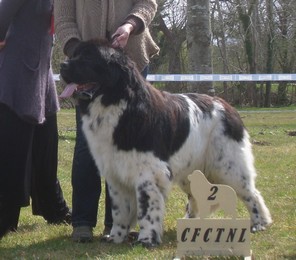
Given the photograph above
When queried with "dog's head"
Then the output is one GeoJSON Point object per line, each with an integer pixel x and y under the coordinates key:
{"type": "Point", "coordinates": [108, 72]}
{"type": "Point", "coordinates": [93, 61]}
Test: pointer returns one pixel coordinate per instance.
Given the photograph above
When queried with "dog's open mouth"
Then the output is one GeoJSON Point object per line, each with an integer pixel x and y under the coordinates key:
{"type": "Point", "coordinates": [80, 91]}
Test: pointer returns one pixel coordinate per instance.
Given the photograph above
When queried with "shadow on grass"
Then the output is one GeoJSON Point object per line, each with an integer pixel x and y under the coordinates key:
{"type": "Point", "coordinates": [67, 137]}
{"type": "Point", "coordinates": [289, 257]}
{"type": "Point", "coordinates": [67, 134]}
{"type": "Point", "coordinates": [63, 248]}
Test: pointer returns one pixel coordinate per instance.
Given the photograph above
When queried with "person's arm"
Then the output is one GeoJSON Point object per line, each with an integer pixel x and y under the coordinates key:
{"type": "Point", "coordinates": [65, 25]}
{"type": "Point", "coordinates": [138, 19]}
{"type": "Point", "coordinates": [8, 9]}
{"type": "Point", "coordinates": [142, 14]}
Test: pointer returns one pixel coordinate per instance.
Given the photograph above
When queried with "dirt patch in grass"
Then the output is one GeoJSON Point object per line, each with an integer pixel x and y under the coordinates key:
{"type": "Point", "coordinates": [291, 133]}
{"type": "Point", "coordinates": [257, 142]}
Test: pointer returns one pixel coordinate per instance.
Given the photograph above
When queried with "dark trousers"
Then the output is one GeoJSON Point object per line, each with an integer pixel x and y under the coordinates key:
{"type": "Point", "coordinates": [28, 167]}
{"type": "Point", "coordinates": [86, 182]}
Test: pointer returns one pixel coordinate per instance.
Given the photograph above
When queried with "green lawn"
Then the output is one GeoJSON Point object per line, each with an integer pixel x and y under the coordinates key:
{"type": "Point", "coordinates": [273, 136]}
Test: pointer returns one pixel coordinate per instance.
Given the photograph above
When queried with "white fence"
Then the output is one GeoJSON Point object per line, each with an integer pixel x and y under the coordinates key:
{"type": "Point", "coordinates": [215, 77]}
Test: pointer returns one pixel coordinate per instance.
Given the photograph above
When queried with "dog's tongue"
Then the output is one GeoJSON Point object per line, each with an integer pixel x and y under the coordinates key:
{"type": "Point", "coordinates": [69, 90]}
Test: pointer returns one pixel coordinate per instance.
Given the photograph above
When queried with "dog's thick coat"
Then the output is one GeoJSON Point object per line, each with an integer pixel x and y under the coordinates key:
{"type": "Point", "coordinates": [144, 140]}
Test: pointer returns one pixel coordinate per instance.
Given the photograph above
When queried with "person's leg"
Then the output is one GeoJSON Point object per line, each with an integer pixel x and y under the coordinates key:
{"type": "Point", "coordinates": [86, 184]}
{"type": "Point", "coordinates": [108, 212]}
{"type": "Point", "coordinates": [15, 157]}
{"type": "Point", "coordinates": [46, 192]}
{"type": "Point", "coordinates": [145, 71]}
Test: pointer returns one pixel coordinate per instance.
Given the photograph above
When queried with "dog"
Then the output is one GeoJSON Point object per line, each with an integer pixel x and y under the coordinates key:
{"type": "Point", "coordinates": [144, 140]}
{"type": "Point", "coordinates": [211, 197]}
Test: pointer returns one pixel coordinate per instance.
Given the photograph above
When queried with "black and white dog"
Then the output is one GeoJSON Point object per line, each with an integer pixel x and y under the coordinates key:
{"type": "Point", "coordinates": [143, 140]}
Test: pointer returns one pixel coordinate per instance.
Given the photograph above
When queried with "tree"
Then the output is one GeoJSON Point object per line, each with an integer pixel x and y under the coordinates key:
{"type": "Point", "coordinates": [170, 30]}
{"type": "Point", "coordinates": [220, 37]}
{"type": "Point", "coordinates": [199, 43]}
{"type": "Point", "coordinates": [270, 49]}
{"type": "Point", "coordinates": [286, 43]}
{"type": "Point", "coordinates": [246, 10]}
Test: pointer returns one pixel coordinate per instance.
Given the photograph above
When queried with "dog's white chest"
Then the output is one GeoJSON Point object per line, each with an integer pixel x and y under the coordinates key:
{"type": "Point", "coordinates": [98, 127]}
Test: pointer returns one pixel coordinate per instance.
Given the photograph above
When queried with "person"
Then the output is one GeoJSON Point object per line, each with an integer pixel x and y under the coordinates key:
{"type": "Point", "coordinates": [28, 120]}
{"type": "Point", "coordinates": [125, 23]}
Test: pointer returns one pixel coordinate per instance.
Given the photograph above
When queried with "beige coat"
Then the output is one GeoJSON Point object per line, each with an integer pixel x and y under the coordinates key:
{"type": "Point", "coordinates": [88, 19]}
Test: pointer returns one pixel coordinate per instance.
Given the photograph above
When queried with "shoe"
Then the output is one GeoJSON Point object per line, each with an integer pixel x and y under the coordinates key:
{"type": "Point", "coordinates": [8, 220]}
{"type": "Point", "coordinates": [106, 231]}
{"type": "Point", "coordinates": [106, 234]}
{"type": "Point", "coordinates": [82, 234]}
{"type": "Point", "coordinates": [66, 219]}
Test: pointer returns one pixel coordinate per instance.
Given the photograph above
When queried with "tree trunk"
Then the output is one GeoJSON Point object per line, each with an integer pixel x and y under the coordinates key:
{"type": "Point", "coordinates": [270, 50]}
{"type": "Point", "coordinates": [286, 56]}
{"type": "Point", "coordinates": [222, 46]}
{"type": "Point", "coordinates": [245, 16]}
{"type": "Point", "coordinates": [199, 44]}
{"type": "Point", "coordinates": [173, 45]}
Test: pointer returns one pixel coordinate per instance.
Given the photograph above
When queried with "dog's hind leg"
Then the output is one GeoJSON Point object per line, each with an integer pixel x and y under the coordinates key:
{"type": "Point", "coordinates": [191, 206]}
{"type": "Point", "coordinates": [260, 215]}
{"type": "Point", "coordinates": [253, 200]}
{"type": "Point", "coordinates": [234, 166]}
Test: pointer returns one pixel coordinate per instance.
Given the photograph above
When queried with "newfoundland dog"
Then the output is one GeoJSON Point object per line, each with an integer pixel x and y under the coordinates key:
{"type": "Point", "coordinates": [143, 140]}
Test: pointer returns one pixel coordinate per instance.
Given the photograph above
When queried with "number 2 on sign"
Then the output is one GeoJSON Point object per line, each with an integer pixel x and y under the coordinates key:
{"type": "Point", "coordinates": [214, 190]}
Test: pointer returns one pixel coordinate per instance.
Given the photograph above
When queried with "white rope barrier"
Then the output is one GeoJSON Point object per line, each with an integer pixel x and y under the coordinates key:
{"type": "Point", "coordinates": [215, 77]}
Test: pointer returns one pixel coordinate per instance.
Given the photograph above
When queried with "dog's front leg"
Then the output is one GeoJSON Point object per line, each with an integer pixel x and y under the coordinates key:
{"type": "Point", "coordinates": [123, 212]}
{"type": "Point", "coordinates": [151, 207]}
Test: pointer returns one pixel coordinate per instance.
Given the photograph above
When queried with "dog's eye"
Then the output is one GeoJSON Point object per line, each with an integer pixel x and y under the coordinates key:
{"type": "Point", "coordinates": [88, 60]}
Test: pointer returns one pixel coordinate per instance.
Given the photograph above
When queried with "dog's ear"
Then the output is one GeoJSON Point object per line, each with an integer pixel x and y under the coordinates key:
{"type": "Point", "coordinates": [118, 56]}
{"type": "Point", "coordinates": [107, 53]}
{"type": "Point", "coordinates": [111, 55]}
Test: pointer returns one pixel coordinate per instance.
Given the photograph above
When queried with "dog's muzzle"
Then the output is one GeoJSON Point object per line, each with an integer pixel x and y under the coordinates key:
{"type": "Point", "coordinates": [83, 91]}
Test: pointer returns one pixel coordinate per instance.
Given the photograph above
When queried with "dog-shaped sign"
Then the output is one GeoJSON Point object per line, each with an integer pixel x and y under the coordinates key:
{"type": "Point", "coordinates": [211, 197]}
{"type": "Point", "coordinates": [200, 235]}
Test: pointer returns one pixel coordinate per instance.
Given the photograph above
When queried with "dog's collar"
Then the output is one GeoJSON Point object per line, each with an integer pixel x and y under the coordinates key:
{"type": "Point", "coordinates": [86, 86]}
{"type": "Point", "coordinates": [86, 91]}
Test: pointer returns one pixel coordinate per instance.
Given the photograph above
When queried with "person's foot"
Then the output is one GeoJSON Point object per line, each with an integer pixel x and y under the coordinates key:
{"type": "Point", "coordinates": [82, 234]}
{"type": "Point", "coordinates": [8, 220]}
{"type": "Point", "coordinates": [4, 230]}
{"type": "Point", "coordinates": [66, 219]}
{"type": "Point", "coordinates": [106, 231]}
{"type": "Point", "coordinates": [106, 234]}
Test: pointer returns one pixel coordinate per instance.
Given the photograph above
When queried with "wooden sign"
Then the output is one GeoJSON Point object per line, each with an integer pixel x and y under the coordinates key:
{"type": "Point", "coordinates": [209, 236]}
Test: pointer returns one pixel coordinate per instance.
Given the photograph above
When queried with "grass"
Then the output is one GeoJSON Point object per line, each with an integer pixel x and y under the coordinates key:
{"type": "Point", "coordinates": [275, 153]}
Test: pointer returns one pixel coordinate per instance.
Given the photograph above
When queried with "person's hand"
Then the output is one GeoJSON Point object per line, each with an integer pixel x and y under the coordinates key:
{"type": "Point", "coordinates": [2, 45]}
{"type": "Point", "coordinates": [120, 37]}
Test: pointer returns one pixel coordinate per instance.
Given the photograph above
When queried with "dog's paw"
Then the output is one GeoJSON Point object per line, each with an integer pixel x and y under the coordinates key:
{"type": "Point", "coordinates": [261, 226]}
{"type": "Point", "coordinates": [112, 239]}
{"type": "Point", "coordinates": [149, 239]}
{"type": "Point", "coordinates": [258, 227]}
{"type": "Point", "coordinates": [146, 243]}
{"type": "Point", "coordinates": [106, 238]}
{"type": "Point", "coordinates": [132, 236]}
